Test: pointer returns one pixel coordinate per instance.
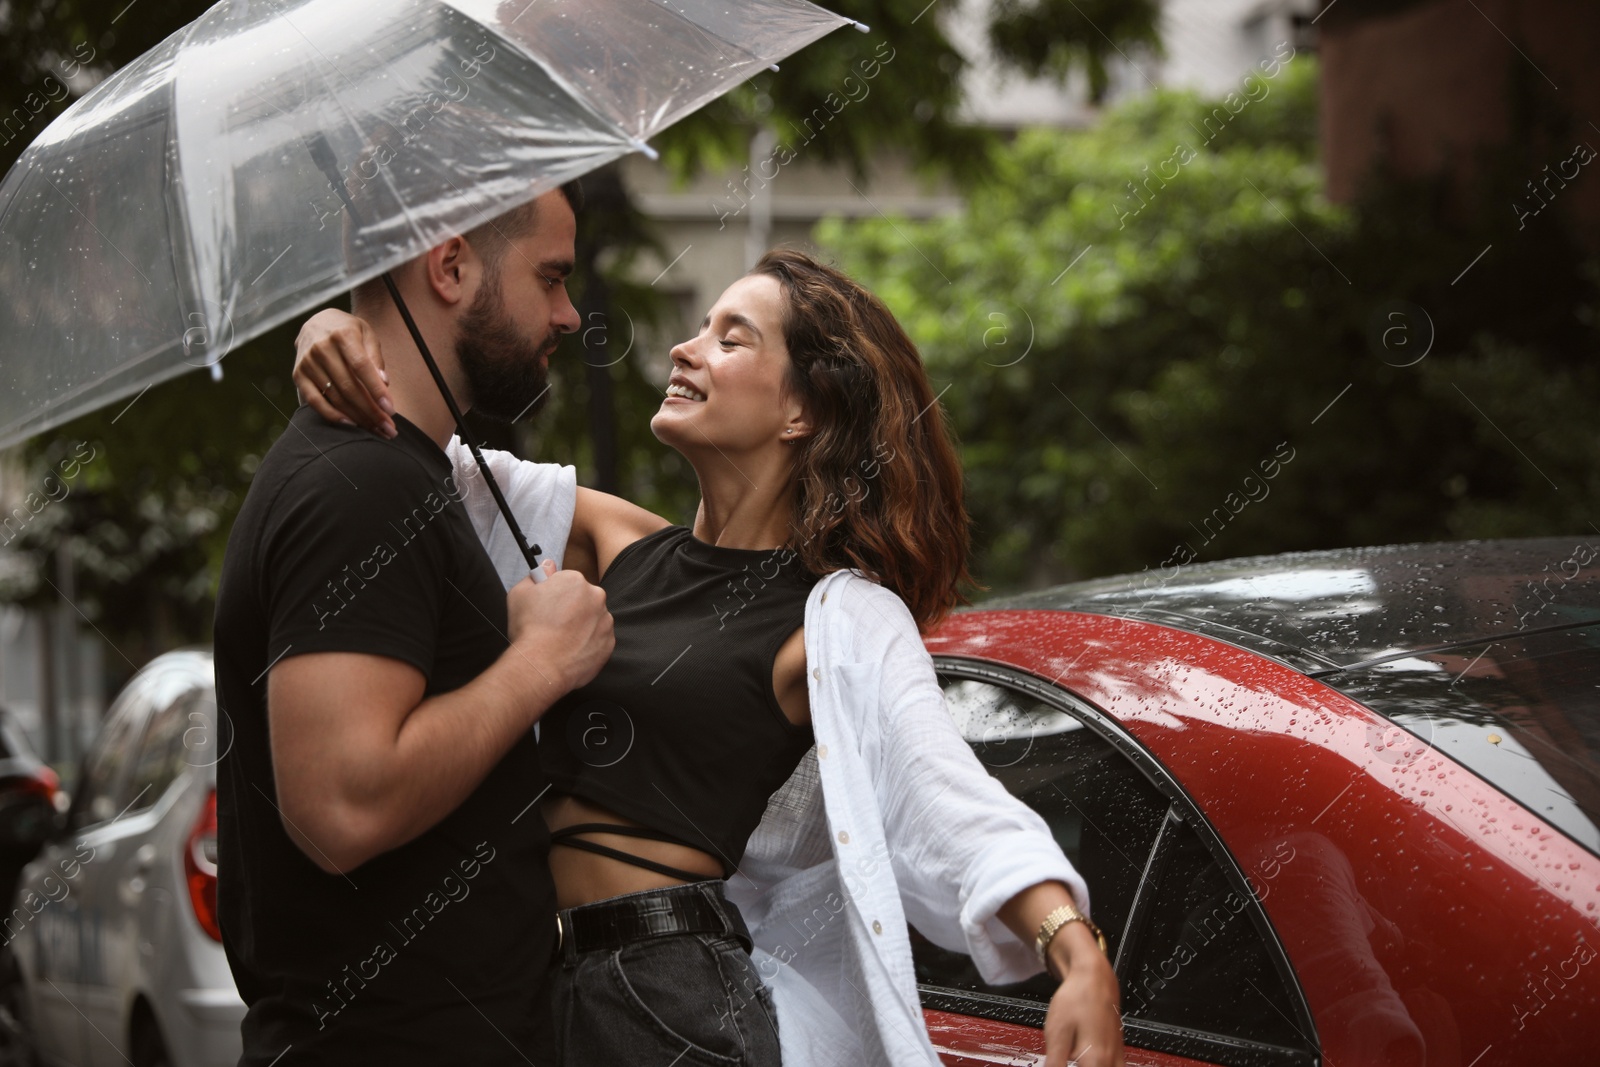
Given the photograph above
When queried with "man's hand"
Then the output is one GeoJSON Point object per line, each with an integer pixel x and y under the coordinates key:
{"type": "Point", "coordinates": [338, 370]}
{"type": "Point", "coordinates": [560, 628]}
{"type": "Point", "coordinates": [365, 762]}
{"type": "Point", "coordinates": [1083, 1024]}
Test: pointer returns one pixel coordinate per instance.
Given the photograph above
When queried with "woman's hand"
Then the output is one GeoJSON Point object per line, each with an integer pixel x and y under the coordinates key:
{"type": "Point", "coordinates": [338, 370]}
{"type": "Point", "coordinates": [1083, 1024]}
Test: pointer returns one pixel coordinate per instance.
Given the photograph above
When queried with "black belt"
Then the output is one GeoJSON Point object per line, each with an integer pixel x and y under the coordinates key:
{"type": "Point", "coordinates": [606, 925]}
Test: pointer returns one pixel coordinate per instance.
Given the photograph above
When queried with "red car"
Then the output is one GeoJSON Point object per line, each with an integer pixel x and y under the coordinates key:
{"type": "Point", "coordinates": [1334, 808]}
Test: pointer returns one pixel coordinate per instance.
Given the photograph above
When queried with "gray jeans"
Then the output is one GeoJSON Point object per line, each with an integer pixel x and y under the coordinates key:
{"type": "Point", "coordinates": [678, 1000]}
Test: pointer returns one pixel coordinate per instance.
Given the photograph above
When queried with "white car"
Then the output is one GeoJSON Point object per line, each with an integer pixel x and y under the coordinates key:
{"type": "Point", "coordinates": [114, 926]}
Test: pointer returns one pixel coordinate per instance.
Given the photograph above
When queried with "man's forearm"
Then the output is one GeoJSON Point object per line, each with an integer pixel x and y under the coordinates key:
{"type": "Point", "coordinates": [451, 742]}
{"type": "Point", "coordinates": [388, 793]}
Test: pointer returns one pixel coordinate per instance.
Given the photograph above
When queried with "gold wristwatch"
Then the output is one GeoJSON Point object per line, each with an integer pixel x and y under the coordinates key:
{"type": "Point", "coordinates": [1053, 922]}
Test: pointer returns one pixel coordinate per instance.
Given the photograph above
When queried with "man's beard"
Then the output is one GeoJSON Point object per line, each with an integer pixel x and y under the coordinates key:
{"type": "Point", "coordinates": [503, 366]}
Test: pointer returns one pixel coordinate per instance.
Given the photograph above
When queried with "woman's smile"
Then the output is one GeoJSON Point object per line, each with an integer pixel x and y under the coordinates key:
{"type": "Point", "coordinates": [680, 389]}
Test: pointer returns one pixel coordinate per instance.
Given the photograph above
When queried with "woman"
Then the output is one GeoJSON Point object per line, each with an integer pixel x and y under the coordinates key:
{"type": "Point", "coordinates": [769, 673]}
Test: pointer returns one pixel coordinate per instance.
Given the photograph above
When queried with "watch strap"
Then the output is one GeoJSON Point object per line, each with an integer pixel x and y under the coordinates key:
{"type": "Point", "coordinates": [1052, 925]}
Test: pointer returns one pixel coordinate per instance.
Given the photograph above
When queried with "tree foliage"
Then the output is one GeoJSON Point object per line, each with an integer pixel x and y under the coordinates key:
{"type": "Point", "coordinates": [910, 106]}
{"type": "Point", "coordinates": [1137, 321]}
{"type": "Point", "coordinates": [1054, 37]}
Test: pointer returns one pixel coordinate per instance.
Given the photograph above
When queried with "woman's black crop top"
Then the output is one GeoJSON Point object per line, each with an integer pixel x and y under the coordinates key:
{"type": "Point", "coordinates": [681, 730]}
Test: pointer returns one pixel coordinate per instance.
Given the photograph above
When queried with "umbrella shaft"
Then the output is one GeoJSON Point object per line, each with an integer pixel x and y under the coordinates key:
{"type": "Point", "coordinates": [529, 552]}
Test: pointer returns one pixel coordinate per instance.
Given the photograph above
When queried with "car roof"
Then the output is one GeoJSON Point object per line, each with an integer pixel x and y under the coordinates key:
{"type": "Point", "coordinates": [1335, 609]}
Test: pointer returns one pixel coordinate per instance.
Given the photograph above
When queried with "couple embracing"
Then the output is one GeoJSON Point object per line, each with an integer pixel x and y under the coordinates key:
{"type": "Point", "coordinates": [471, 818]}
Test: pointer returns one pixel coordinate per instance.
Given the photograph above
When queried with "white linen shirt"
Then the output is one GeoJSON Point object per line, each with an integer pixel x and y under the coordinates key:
{"type": "Point", "coordinates": [889, 819]}
{"type": "Point", "coordinates": [892, 819]}
{"type": "Point", "coordinates": [542, 496]}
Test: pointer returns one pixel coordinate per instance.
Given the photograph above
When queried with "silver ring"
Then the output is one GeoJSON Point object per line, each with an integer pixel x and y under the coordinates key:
{"type": "Point", "coordinates": [325, 388]}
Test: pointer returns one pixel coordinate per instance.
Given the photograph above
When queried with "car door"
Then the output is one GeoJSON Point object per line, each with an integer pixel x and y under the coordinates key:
{"type": "Point", "coordinates": [55, 935]}
{"type": "Point", "coordinates": [126, 849]}
{"type": "Point", "coordinates": [1203, 978]}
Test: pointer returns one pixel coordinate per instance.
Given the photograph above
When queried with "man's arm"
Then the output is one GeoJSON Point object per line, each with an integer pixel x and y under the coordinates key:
{"type": "Point", "coordinates": [364, 764]}
{"type": "Point", "coordinates": [336, 347]}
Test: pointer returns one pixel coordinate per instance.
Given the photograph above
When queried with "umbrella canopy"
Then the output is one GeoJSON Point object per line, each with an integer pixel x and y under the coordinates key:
{"type": "Point", "coordinates": [176, 210]}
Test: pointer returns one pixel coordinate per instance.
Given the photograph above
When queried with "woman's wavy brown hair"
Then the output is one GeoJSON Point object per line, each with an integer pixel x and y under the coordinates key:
{"type": "Point", "coordinates": [878, 481]}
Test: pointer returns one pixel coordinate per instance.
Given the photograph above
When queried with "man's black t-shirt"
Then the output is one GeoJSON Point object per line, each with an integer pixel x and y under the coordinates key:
{"type": "Point", "coordinates": [437, 951]}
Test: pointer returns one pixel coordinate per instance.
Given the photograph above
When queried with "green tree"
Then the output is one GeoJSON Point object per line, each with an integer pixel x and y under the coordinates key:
{"type": "Point", "coordinates": [1135, 318]}
{"type": "Point", "coordinates": [1056, 36]}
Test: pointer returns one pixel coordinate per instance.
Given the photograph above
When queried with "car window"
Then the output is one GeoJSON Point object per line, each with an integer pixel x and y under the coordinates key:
{"type": "Point", "coordinates": [100, 794]}
{"type": "Point", "coordinates": [1197, 960]}
{"type": "Point", "coordinates": [162, 755]}
{"type": "Point", "coordinates": [1523, 711]}
{"type": "Point", "coordinates": [1187, 945]}
{"type": "Point", "coordinates": [1103, 811]}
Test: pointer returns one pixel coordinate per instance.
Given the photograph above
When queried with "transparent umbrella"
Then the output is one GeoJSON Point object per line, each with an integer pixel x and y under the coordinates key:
{"type": "Point", "coordinates": [204, 193]}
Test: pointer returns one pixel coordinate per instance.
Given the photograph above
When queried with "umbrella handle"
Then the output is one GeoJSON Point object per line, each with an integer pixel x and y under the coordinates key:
{"type": "Point", "coordinates": [322, 155]}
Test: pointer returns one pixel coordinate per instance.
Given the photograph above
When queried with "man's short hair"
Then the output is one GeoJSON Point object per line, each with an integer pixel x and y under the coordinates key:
{"type": "Point", "coordinates": [490, 241]}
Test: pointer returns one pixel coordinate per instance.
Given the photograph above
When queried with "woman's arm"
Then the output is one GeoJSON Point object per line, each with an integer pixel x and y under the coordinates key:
{"type": "Point", "coordinates": [602, 526]}
{"type": "Point", "coordinates": [1086, 1008]}
{"type": "Point", "coordinates": [335, 346]}
{"type": "Point", "coordinates": [974, 864]}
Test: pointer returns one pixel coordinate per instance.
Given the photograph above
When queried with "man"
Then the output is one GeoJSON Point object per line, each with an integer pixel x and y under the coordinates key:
{"type": "Point", "coordinates": [383, 881]}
